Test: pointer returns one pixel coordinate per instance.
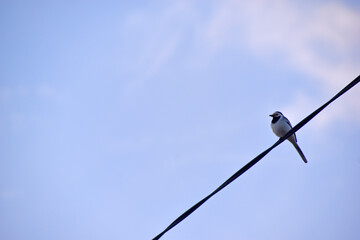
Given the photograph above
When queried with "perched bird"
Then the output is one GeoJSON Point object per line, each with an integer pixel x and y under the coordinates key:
{"type": "Point", "coordinates": [280, 126]}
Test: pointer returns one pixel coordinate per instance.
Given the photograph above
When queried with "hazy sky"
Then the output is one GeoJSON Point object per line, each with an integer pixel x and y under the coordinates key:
{"type": "Point", "coordinates": [117, 116]}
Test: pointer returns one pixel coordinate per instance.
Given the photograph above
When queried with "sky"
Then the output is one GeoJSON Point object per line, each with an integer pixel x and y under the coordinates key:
{"type": "Point", "coordinates": [118, 116]}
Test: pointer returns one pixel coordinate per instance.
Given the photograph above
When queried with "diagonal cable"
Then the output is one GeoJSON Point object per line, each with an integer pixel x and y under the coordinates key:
{"type": "Point", "coordinates": [260, 156]}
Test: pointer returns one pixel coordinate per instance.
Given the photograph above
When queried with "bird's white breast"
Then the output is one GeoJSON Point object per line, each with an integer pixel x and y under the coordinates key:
{"type": "Point", "coordinates": [280, 128]}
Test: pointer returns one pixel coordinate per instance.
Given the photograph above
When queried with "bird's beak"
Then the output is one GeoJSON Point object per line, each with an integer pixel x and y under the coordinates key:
{"type": "Point", "coordinates": [271, 115]}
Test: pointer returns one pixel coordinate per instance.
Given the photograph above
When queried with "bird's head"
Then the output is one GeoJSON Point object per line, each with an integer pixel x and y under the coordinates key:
{"type": "Point", "coordinates": [276, 114]}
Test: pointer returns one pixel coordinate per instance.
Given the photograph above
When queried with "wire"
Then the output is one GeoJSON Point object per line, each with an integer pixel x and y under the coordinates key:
{"type": "Point", "coordinates": [258, 158]}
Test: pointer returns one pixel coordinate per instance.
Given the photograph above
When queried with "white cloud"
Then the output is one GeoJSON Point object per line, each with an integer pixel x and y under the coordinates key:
{"type": "Point", "coordinates": [320, 41]}
{"type": "Point", "coordinates": [157, 41]}
{"type": "Point", "coordinates": [163, 55]}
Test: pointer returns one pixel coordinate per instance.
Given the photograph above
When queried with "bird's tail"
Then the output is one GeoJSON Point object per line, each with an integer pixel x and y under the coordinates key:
{"type": "Point", "coordinates": [300, 152]}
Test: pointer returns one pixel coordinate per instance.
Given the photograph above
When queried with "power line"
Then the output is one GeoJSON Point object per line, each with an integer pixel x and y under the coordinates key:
{"type": "Point", "coordinates": [258, 158]}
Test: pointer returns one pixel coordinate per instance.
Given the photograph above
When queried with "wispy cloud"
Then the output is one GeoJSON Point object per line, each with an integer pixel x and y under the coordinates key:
{"type": "Point", "coordinates": [164, 54]}
{"type": "Point", "coordinates": [320, 41]}
{"type": "Point", "coordinates": [157, 40]}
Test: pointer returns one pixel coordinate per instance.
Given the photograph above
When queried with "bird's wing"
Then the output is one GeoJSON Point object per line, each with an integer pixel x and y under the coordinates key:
{"type": "Point", "coordinates": [288, 122]}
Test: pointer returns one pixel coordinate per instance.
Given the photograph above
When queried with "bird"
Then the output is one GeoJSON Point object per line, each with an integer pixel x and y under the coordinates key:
{"type": "Point", "coordinates": [280, 126]}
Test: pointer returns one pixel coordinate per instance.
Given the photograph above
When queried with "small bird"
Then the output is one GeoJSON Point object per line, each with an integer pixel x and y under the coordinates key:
{"type": "Point", "coordinates": [280, 126]}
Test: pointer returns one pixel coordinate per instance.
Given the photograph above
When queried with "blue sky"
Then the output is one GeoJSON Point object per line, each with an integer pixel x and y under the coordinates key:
{"type": "Point", "coordinates": [117, 116]}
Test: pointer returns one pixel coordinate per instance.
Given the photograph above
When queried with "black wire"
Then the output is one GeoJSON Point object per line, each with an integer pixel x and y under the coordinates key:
{"type": "Point", "coordinates": [256, 159]}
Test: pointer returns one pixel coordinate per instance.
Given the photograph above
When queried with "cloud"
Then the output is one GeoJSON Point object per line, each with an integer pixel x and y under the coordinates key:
{"type": "Point", "coordinates": [319, 40]}
{"type": "Point", "coordinates": [151, 42]}
{"type": "Point", "coordinates": [163, 55]}
{"type": "Point", "coordinates": [300, 32]}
